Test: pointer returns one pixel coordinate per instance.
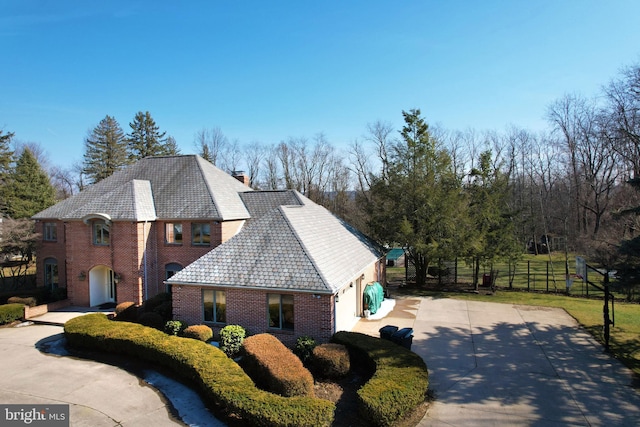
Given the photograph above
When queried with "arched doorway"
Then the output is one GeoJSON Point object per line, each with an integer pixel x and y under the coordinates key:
{"type": "Point", "coordinates": [102, 287]}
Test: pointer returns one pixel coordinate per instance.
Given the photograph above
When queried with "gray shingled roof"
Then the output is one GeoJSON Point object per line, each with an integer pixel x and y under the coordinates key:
{"type": "Point", "coordinates": [261, 202]}
{"type": "Point", "coordinates": [179, 187]}
{"type": "Point", "coordinates": [299, 247]}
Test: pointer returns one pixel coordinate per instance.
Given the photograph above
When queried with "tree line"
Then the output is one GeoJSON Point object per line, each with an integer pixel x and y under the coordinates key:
{"type": "Point", "coordinates": [439, 193]}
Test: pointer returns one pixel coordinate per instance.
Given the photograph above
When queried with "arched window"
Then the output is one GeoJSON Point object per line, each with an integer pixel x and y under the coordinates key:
{"type": "Point", "coordinates": [169, 271]}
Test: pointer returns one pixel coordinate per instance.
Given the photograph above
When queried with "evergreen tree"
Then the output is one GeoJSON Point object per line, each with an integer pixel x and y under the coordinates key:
{"type": "Point", "coordinates": [6, 157]}
{"type": "Point", "coordinates": [419, 204]}
{"type": "Point", "coordinates": [105, 150]}
{"type": "Point", "coordinates": [29, 189]}
{"type": "Point", "coordinates": [492, 235]}
{"type": "Point", "coordinates": [145, 138]}
{"type": "Point", "coordinates": [171, 147]}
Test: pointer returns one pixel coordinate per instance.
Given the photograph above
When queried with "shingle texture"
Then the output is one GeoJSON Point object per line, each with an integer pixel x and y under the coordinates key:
{"type": "Point", "coordinates": [299, 247]}
{"type": "Point", "coordinates": [179, 187]}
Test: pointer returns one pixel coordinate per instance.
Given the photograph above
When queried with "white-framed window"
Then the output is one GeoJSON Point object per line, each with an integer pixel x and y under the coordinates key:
{"type": "Point", "coordinates": [280, 311]}
{"type": "Point", "coordinates": [214, 305]}
{"type": "Point", "coordinates": [50, 232]}
{"type": "Point", "coordinates": [201, 233]}
{"type": "Point", "coordinates": [173, 233]}
{"type": "Point", "coordinates": [101, 233]}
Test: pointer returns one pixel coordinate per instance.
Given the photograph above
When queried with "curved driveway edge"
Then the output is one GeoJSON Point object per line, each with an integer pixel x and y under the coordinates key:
{"type": "Point", "coordinates": [98, 394]}
{"type": "Point", "coordinates": [509, 365]}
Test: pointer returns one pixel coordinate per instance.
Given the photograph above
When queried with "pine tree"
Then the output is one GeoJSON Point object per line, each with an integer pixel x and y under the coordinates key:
{"type": "Point", "coordinates": [145, 138]}
{"type": "Point", "coordinates": [29, 189]}
{"type": "Point", "coordinates": [171, 147]}
{"type": "Point", "coordinates": [105, 150]}
{"type": "Point", "coordinates": [419, 203]}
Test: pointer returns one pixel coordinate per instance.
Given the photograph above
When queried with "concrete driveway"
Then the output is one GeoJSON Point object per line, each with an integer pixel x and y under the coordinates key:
{"type": "Point", "coordinates": [97, 394]}
{"type": "Point", "coordinates": [504, 365]}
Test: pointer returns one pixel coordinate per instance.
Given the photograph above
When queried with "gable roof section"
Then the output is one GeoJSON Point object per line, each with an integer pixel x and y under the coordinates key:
{"type": "Point", "coordinates": [179, 187]}
{"type": "Point", "coordinates": [301, 247]}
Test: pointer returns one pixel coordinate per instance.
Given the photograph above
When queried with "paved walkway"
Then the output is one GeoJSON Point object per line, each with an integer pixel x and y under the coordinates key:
{"type": "Point", "coordinates": [504, 365]}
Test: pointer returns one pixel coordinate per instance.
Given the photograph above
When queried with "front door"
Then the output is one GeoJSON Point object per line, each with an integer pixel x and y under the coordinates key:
{"type": "Point", "coordinates": [101, 286]}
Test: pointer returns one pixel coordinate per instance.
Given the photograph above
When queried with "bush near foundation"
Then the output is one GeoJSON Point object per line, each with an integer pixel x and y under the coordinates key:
{"type": "Point", "coordinates": [175, 327]}
{"type": "Point", "coordinates": [126, 311]}
{"type": "Point", "coordinates": [224, 386]}
{"type": "Point", "coordinates": [11, 312]}
{"type": "Point", "coordinates": [330, 361]}
{"type": "Point", "coordinates": [152, 319]}
{"type": "Point", "coordinates": [231, 339]}
{"type": "Point", "coordinates": [29, 301]}
{"type": "Point", "coordinates": [274, 367]}
{"type": "Point", "coordinates": [399, 382]}
{"type": "Point", "coordinates": [198, 332]}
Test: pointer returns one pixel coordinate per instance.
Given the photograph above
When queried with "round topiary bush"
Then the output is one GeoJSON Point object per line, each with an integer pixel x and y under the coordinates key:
{"type": "Point", "coordinates": [175, 327]}
{"type": "Point", "coordinates": [231, 339]}
{"type": "Point", "coordinates": [330, 361]}
{"type": "Point", "coordinates": [126, 311]}
{"type": "Point", "coordinates": [198, 332]}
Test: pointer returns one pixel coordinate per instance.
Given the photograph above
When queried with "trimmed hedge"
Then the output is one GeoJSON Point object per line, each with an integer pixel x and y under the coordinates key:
{"type": "Point", "coordinates": [11, 312]}
{"type": "Point", "coordinates": [331, 361]}
{"type": "Point", "coordinates": [126, 311]}
{"type": "Point", "coordinates": [198, 332]}
{"type": "Point", "coordinates": [274, 367]}
{"type": "Point", "coordinates": [399, 382]}
{"type": "Point", "coordinates": [30, 301]}
{"type": "Point", "coordinates": [222, 382]}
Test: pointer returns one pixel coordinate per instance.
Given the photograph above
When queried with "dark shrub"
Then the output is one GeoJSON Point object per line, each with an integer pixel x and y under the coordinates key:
{"type": "Point", "coordinates": [231, 338]}
{"type": "Point", "coordinates": [126, 311]}
{"type": "Point", "coordinates": [222, 383]}
{"type": "Point", "coordinates": [304, 348]}
{"type": "Point", "coordinates": [59, 294]}
{"type": "Point", "coordinates": [399, 382]}
{"type": "Point", "coordinates": [274, 367]}
{"type": "Point", "coordinates": [330, 361]}
{"type": "Point", "coordinates": [153, 302]}
{"type": "Point", "coordinates": [11, 312]}
{"type": "Point", "coordinates": [198, 332]}
{"type": "Point", "coordinates": [29, 301]}
{"type": "Point", "coordinates": [175, 327]}
{"type": "Point", "coordinates": [151, 319]}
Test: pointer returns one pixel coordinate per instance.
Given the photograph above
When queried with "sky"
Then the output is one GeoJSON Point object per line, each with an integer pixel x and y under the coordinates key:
{"type": "Point", "coordinates": [265, 71]}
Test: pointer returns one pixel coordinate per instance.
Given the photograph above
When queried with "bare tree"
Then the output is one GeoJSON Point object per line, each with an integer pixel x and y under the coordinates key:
{"type": "Point", "coordinates": [254, 155]}
{"type": "Point", "coordinates": [210, 144]}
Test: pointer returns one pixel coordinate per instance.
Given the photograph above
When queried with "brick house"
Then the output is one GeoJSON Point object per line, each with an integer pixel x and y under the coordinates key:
{"type": "Point", "coordinates": [268, 260]}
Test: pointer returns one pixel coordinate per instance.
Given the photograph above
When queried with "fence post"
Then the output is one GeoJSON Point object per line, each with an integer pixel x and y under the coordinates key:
{"type": "Point", "coordinates": [547, 276]}
{"type": "Point", "coordinates": [528, 275]}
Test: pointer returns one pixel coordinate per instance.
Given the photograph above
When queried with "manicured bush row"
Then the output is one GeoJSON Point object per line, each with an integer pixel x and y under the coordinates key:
{"type": "Point", "coordinates": [274, 367]}
{"type": "Point", "coordinates": [126, 311]}
{"type": "Point", "coordinates": [399, 383]}
{"type": "Point", "coordinates": [330, 361]}
{"type": "Point", "coordinates": [198, 332]}
{"type": "Point", "coordinates": [222, 382]}
{"type": "Point", "coordinates": [11, 312]}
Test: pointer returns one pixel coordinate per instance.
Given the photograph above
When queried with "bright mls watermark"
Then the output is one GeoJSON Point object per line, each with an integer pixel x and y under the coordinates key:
{"type": "Point", "coordinates": [34, 415]}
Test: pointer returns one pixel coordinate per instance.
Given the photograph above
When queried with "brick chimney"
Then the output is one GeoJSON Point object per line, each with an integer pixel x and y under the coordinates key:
{"type": "Point", "coordinates": [240, 176]}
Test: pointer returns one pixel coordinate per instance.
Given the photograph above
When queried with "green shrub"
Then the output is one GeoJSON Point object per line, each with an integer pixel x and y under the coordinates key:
{"type": "Point", "coordinates": [160, 304]}
{"type": "Point", "coordinates": [151, 319]}
{"type": "Point", "coordinates": [304, 348]}
{"type": "Point", "coordinates": [29, 301]}
{"type": "Point", "coordinates": [231, 338]}
{"type": "Point", "coordinates": [126, 311]}
{"type": "Point", "coordinates": [11, 312]}
{"type": "Point", "coordinates": [198, 332]}
{"type": "Point", "coordinates": [224, 386]}
{"type": "Point", "coordinates": [59, 294]}
{"type": "Point", "coordinates": [399, 382]}
{"type": "Point", "coordinates": [175, 327]}
{"type": "Point", "coordinates": [330, 361]}
{"type": "Point", "coordinates": [274, 367]}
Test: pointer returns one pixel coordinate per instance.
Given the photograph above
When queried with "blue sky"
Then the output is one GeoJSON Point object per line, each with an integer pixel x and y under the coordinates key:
{"type": "Point", "coordinates": [263, 71]}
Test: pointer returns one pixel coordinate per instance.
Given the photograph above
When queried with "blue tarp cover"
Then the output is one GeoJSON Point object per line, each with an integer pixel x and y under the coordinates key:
{"type": "Point", "coordinates": [373, 296]}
